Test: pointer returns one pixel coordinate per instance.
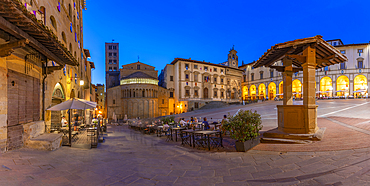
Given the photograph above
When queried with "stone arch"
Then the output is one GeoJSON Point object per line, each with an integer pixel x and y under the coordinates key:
{"type": "Point", "coordinates": [326, 86]}
{"type": "Point", "coordinates": [253, 90]}
{"type": "Point", "coordinates": [271, 90]}
{"type": "Point", "coordinates": [262, 91]}
{"type": "Point", "coordinates": [342, 85]}
{"type": "Point", "coordinates": [360, 85]}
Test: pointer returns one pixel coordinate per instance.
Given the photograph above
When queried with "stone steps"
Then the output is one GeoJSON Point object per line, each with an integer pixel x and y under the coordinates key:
{"type": "Point", "coordinates": [214, 104]}
{"type": "Point", "coordinates": [276, 136]}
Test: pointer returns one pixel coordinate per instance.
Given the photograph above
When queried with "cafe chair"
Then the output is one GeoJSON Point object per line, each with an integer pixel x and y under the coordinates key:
{"type": "Point", "coordinates": [185, 138]}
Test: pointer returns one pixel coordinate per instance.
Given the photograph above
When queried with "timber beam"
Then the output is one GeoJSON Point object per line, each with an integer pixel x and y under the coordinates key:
{"type": "Point", "coordinates": [8, 48]}
{"type": "Point", "coordinates": [299, 58]}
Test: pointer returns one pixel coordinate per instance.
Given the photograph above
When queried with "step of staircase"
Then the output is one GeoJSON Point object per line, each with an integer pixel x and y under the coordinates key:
{"type": "Point", "coordinates": [284, 141]}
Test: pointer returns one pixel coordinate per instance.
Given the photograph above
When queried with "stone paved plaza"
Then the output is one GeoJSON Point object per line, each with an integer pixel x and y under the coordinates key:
{"type": "Point", "coordinates": [128, 157]}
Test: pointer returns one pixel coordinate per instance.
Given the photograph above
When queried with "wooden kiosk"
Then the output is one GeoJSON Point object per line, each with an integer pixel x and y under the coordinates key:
{"type": "Point", "coordinates": [305, 55]}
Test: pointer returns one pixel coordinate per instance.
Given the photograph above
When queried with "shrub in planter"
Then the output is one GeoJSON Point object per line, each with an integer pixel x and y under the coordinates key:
{"type": "Point", "coordinates": [168, 119]}
{"type": "Point", "coordinates": [244, 127]}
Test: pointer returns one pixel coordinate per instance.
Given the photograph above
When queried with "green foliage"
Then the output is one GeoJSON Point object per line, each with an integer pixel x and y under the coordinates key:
{"type": "Point", "coordinates": [244, 126]}
{"type": "Point", "coordinates": [168, 119]}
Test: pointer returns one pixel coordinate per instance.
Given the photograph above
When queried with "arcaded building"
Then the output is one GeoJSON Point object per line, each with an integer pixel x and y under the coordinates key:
{"type": "Point", "coordinates": [347, 79]}
{"type": "Point", "coordinates": [138, 94]}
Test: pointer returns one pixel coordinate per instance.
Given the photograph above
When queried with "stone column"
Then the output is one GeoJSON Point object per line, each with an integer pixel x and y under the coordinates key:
{"type": "Point", "coordinates": [287, 82]}
{"type": "Point", "coordinates": [309, 101]}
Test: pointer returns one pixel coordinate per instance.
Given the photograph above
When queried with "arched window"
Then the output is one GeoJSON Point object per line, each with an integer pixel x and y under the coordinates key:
{"type": "Point", "coordinates": [64, 37]}
{"type": "Point", "coordinates": [70, 11]}
{"type": "Point", "coordinates": [70, 47]}
{"type": "Point", "coordinates": [53, 22]}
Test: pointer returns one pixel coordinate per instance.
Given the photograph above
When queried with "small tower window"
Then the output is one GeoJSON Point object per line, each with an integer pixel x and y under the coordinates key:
{"type": "Point", "coordinates": [138, 67]}
{"type": "Point", "coordinates": [53, 22]}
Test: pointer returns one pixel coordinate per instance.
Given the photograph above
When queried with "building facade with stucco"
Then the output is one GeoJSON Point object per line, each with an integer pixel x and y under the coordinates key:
{"type": "Point", "coordinates": [194, 83]}
{"type": "Point", "coordinates": [42, 63]}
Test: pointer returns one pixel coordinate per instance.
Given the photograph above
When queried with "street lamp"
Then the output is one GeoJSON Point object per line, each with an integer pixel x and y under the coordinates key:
{"type": "Point", "coordinates": [82, 82]}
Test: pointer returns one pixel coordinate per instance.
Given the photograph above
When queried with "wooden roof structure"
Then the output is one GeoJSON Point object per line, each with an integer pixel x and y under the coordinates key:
{"type": "Point", "coordinates": [16, 20]}
{"type": "Point", "coordinates": [326, 54]}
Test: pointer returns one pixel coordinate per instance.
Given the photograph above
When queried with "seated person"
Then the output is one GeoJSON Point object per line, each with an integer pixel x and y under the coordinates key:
{"type": "Point", "coordinates": [64, 122]}
{"type": "Point", "coordinates": [183, 122]}
{"type": "Point", "coordinates": [206, 124]}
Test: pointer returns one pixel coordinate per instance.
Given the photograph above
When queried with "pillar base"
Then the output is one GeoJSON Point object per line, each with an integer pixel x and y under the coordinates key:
{"type": "Point", "coordinates": [297, 119]}
{"type": "Point", "coordinates": [276, 136]}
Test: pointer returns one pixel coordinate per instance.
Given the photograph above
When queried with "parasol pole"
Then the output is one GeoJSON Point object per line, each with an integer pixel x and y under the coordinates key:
{"type": "Point", "coordinates": [69, 125]}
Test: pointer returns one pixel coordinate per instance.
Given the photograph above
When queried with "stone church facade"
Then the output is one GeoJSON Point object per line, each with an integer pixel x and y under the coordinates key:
{"type": "Point", "coordinates": [138, 93]}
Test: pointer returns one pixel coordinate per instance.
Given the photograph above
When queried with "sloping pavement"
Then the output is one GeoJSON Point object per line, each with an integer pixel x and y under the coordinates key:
{"type": "Point", "coordinates": [128, 157]}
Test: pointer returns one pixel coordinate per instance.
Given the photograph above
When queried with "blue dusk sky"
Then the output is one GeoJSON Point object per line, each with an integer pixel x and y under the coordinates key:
{"type": "Point", "coordinates": [159, 31]}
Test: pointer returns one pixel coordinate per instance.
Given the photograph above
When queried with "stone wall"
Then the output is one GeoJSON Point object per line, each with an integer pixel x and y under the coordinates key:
{"type": "Point", "coordinates": [3, 105]}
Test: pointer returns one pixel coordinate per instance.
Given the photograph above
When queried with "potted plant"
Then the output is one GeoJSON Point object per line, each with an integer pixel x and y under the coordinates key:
{"type": "Point", "coordinates": [244, 127]}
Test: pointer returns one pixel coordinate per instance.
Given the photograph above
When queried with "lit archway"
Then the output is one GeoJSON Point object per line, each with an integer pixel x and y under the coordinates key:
{"type": "Point", "coordinates": [360, 85]}
{"type": "Point", "coordinates": [342, 86]}
{"type": "Point", "coordinates": [253, 92]}
{"type": "Point", "coordinates": [326, 86]}
{"type": "Point", "coordinates": [272, 90]}
{"type": "Point", "coordinates": [262, 91]}
{"type": "Point", "coordinates": [297, 88]}
{"type": "Point", "coordinates": [245, 93]}
{"type": "Point", "coordinates": [281, 88]}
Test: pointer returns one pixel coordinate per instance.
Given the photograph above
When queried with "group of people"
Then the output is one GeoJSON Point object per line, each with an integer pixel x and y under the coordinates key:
{"type": "Point", "coordinates": [76, 118]}
{"type": "Point", "coordinates": [194, 122]}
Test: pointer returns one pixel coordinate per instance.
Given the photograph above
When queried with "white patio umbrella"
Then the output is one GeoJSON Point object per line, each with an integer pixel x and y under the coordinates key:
{"type": "Point", "coordinates": [279, 94]}
{"type": "Point", "coordinates": [73, 103]}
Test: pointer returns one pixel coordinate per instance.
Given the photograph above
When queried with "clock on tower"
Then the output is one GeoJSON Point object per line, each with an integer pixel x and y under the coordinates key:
{"type": "Point", "coordinates": [233, 58]}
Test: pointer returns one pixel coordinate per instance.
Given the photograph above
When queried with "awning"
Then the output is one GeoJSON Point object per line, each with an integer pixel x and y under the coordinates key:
{"type": "Point", "coordinates": [341, 91]}
{"type": "Point", "coordinates": [360, 91]}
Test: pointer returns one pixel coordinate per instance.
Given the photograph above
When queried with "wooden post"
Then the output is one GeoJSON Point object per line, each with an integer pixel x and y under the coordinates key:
{"type": "Point", "coordinates": [309, 95]}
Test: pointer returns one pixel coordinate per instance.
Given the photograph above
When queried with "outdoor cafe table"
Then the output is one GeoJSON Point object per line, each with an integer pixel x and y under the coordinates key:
{"type": "Point", "coordinates": [207, 133]}
{"type": "Point", "coordinates": [176, 129]}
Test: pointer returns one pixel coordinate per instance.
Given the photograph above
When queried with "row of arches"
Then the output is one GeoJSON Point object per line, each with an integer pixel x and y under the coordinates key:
{"type": "Point", "coordinates": [140, 93]}
{"type": "Point", "coordinates": [325, 89]}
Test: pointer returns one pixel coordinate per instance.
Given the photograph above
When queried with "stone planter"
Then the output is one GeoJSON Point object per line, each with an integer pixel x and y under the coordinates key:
{"type": "Point", "coordinates": [245, 146]}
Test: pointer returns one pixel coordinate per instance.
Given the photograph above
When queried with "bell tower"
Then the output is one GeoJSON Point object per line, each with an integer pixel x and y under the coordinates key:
{"type": "Point", "coordinates": [232, 58]}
